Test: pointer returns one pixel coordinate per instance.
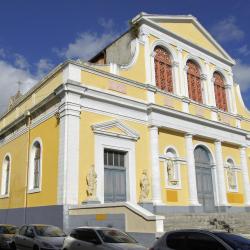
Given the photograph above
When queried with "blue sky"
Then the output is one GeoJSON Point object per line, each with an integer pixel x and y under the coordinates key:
{"type": "Point", "coordinates": [35, 36]}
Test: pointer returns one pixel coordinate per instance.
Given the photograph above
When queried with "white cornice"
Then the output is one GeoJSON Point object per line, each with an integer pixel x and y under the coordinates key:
{"type": "Point", "coordinates": [151, 21]}
{"type": "Point", "coordinates": [126, 132]}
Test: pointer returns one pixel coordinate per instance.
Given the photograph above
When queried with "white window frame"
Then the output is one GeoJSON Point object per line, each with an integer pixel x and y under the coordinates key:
{"type": "Point", "coordinates": [31, 188]}
{"type": "Point", "coordinates": [122, 144]}
{"type": "Point", "coordinates": [3, 193]}
{"type": "Point", "coordinates": [173, 55]}
{"type": "Point", "coordinates": [177, 168]}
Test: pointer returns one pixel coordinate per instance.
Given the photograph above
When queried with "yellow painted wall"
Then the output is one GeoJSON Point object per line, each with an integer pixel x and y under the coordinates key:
{"type": "Point", "coordinates": [138, 71]}
{"type": "Point", "coordinates": [234, 153]}
{"type": "Point", "coordinates": [18, 151]}
{"type": "Point", "coordinates": [87, 149]}
{"type": "Point", "coordinates": [41, 93]}
{"type": "Point", "coordinates": [103, 82]}
{"type": "Point", "coordinates": [191, 33]}
{"type": "Point", "coordinates": [200, 111]}
{"type": "Point", "coordinates": [48, 132]}
{"type": "Point", "coordinates": [168, 101]}
{"type": "Point", "coordinates": [166, 139]}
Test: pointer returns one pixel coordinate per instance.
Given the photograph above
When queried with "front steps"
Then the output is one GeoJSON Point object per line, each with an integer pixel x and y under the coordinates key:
{"type": "Point", "coordinates": [236, 222]}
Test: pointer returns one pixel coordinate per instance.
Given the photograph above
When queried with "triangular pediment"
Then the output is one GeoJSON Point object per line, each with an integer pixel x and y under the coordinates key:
{"type": "Point", "coordinates": [115, 128]}
{"type": "Point", "coordinates": [188, 29]}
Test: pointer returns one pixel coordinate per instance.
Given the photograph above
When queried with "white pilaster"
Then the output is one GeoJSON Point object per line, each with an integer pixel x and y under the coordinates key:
{"type": "Point", "coordinates": [176, 80]}
{"type": "Point", "coordinates": [229, 98]}
{"type": "Point", "coordinates": [231, 83]}
{"type": "Point", "coordinates": [243, 162]}
{"type": "Point", "coordinates": [181, 81]}
{"type": "Point", "coordinates": [156, 183]}
{"type": "Point", "coordinates": [212, 93]}
{"type": "Point", "coordinates": [220, 174]}
{"type": "Point", "coordinates": [193, 199]}
{"type": "Point", "coordinates": [205, 90]}
{"type": "Point", "coordinates": [68, 169]}
{"type": "Point", "coordinates": [185, 81]}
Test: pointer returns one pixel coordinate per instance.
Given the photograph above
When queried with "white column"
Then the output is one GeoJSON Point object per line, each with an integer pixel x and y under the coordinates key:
{"type": "Point", "coordinates": [176, 81]}
{"type": "Point", "coordinates": [181, 81]}
{"type": "Point", "coordinates": [193, 199]}
{"type": "Point", "coordinates": [185, 81]}
{"type": "Point", "coordinates": [229, 98]}
{"type": "Point", "coordinates": [243, 162]}
{"type": "Point", "coordinates": [156, 181]}
{"type": "Point", "coordinates": [205, 90]}
{"type": "Point", "coordinates": [68, 169]}
{"type": "Point", "coordinates": [220, 174]}
{"type": "Point", "coordinates": [231, 83]}
{"type": "Point", "coordinates": [212, 93]}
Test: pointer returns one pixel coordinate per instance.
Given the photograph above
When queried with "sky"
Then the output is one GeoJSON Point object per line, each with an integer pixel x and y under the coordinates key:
{"type": "Point", "coordinates": [36, 36]}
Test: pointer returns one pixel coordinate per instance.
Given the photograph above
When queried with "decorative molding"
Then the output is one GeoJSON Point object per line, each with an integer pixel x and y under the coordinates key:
{"type": "Point", "coordinates": [126, 132]}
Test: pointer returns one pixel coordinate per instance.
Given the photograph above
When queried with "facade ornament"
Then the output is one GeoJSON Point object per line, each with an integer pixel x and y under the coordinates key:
{"type": "Point", "coordinates": [171, 171]}
{"type": "Point", "coordinates": [144, 186]}
{"type": "Point", "coordinates": [231, 176]}
{"type": "Point", "coordinates": [91, 180]}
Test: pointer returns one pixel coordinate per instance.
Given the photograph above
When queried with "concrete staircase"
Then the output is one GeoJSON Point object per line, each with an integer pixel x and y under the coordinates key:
{"type": "Point", "coordinates": [235, 222]}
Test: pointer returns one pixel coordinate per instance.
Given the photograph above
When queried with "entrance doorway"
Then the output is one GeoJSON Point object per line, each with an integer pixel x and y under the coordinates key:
{"type": "Point", "coordinates": [114, 176]}
{"type": "Point", "coordinates": [204, 179]}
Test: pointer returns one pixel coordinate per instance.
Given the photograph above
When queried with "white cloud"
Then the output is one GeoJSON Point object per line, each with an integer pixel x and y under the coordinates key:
{"type": "Point", "coordinates": [86, 45]}
{"type": "Point", "coordinates": [242, 75]}
{"type": "Point", "coordinates": [2, 53]}
{"type": "Point", "coordinates": [107, 24]}
{"type": "Point", "coordinates": [43, 67]}
{"type": "Point", "coordinates": [19, 71]}
{"type": "Point", "coordinates": [244, 50]}
{"type": "Point", "coordinates": [21, 62]}
{"type": "Point", "coordinates": [9, 78]}
{"type": "Point", "coordinates": [227, 30]}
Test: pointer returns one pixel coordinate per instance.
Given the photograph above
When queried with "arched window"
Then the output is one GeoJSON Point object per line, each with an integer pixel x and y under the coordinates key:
{"type": "Point", "coordinates": [35, 166]}
{"type": "Point", "coordinates": [5, 176]}
{"type": "Point", "coordinates": [194, 81]}
{"type": "Point", "coordinates": [172, 168]}
{"type": "Point", "coordinates": [231, 176]}
{"type": "Point", "coordinates": [219, 90]}
{"type": "Point", "coordinates": [163, 69]}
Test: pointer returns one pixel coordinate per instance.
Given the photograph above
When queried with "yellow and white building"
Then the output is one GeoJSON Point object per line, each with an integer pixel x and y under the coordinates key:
{"type": "Point", "coordinates": [153, 125]}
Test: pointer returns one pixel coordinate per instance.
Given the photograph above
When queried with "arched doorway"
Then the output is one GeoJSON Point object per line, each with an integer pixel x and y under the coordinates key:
{"type": "Point", "coordinates": [204, 179]}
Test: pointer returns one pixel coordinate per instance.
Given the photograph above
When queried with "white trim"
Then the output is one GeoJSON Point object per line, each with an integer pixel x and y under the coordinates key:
{"type": "Point", "coordinates": [174, 59]}
{"type": "Point", "coordinates": [101, 128]}
{"type": "Point", "coordinates": [151, 20]}
{"type": "Point", "coordinates": [31, 188]}
{"type": "Point", "coordinates": [106, 142]}
{"type": "Point", "coordinates": [4, 176]}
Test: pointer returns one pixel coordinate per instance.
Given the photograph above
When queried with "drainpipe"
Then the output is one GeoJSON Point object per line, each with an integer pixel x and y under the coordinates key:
{"type": "Point", "coordinates": [28, 117]}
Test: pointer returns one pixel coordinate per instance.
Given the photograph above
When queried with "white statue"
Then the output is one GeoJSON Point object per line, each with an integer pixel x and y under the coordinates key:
{"type": "Point", "coordinates": [170, 170]}
{"type": "Point", "coordinates": [144, 185]}
{"type": "Point", "coordinates": [91, 182]}
{"type": "Point", "coordinates": [231, 177]}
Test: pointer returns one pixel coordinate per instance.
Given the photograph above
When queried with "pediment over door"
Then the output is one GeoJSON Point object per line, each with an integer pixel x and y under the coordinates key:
{"type": "Point", "coordinates": [115, 128]}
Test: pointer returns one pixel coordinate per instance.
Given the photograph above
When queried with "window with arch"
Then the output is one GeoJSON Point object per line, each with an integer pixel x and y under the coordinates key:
{"type": "Point", "coordinates": [5, 176]}
{"type": "Point", "coordinates": [163, 69]}
{"type": "Point", "coordinates": [231, 175]}
{"type": "Point", "coordinates": [172, 168]}
{"type": "Point", "coordinates": [220, 91]}
{"type": "Point", "coordinates": [194, 81]}
{"type": "Point", "coordinates": [35, 166]}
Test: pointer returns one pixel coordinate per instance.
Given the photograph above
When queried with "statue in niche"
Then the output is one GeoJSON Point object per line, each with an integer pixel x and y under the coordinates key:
{"type": "Point", "coordinates": [144, 186]}
{"type": "Point", "coordinates": [171, 172]}
{"type": "Point", "coordinates": [91, 183]}
{"type": "Point", "coordinates": [231, 176]}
